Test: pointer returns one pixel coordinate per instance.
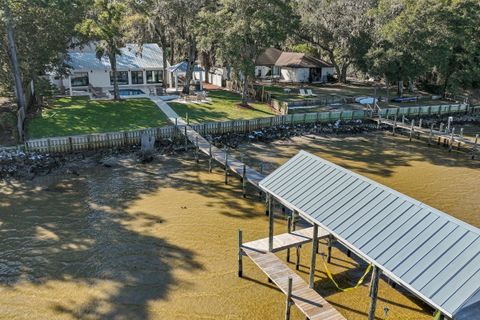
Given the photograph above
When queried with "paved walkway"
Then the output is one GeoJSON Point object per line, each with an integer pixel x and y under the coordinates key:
{"type": "Point", "coordinates": [168, 111]}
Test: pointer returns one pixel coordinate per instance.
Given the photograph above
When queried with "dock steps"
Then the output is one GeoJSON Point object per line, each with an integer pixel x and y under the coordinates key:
{"type": "Point", "coordinates": [308, 301]}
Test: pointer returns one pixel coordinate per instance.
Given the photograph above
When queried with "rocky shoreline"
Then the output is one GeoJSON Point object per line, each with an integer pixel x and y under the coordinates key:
{"type": "Point", "coordinates": [19, 165]}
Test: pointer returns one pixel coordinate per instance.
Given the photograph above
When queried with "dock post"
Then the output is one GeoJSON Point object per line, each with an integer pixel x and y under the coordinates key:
{"type": "Point", "coordinates": [226, 165]}
{"type": "Point", "coordinates": [430, 135]}
{"type": "Point", "coordinates": [394, 124]}
{"type": "Point", "coordinates": [240, 254]}
{"type": "Point", "coordinates": [450, 145]}
{"type": "Point", "coordinates": [474, 147]}
{"type": "Point", "coordinates": [461, 133]}
{"type": "Point", "coordinates": [420, 123]}
{"type": "Point", "coordinates": [411, 129]}
{"type": "Point", "coordinates": [373, 292]}
{"type": "Point", "coordinates": [289, 230]}
{"type": "Point", "coordinates": [210, 158]}
{"type": "Point", "coordinates": [186, 139]}
{"type": "Point", "coordinates": [297, 261]}
{"type": "Point", "coordinates": [289, 299]}
{"type": "Point", "coordinates": [329, 249]}
{"type": "Point", "coordinates": [196, 149]}
{"type": "Point", "coordinates": [314, 256]}
{"type": "Point", "coordinates": [270, 224]}
{"type": "Point", "coordinates": [244, 181]}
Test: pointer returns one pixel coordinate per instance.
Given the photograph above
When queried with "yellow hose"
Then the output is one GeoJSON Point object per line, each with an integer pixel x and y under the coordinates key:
{"type": "Point", "coordinates": [329, 274]}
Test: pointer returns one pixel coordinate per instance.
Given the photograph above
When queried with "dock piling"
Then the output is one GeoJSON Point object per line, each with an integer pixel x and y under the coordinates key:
{"type": "Point", "coordinates": [311, 281]}
{"type": "Point", "coordinates": [289, 299]}
{"type": "Point", "coordinates": [450, 145]}
{"type": "Point", "coordinates": [210, 157]}
{"type": "Point", "coordinates": [196, 149]}
{"type": "Point", "coordinates": [226, 165]}
{"type": "Point", "coordinates": [186, 139]}
{"type": "Point", "coordinates": [289, 230]}
{"type": "Point", "coordinates": [430, 135]}
{"type": "Point", "coordinates": [240, 254]}
{"type": "Point", "coordinates": [474, 149]}
{"type": "Point", "coordinates": [373, 293]}
{"type": "Point", "coordinates": [244, 180]}
{"type": "Point", "coordinates": [411, 129]}
{"type": "Point", "coordinates": [329, 249]}
{"type": "Point", "coordinates": [270, 223]}
{"type": "Point", "coordinates": [297, 261]}
{"type": "Point", "coordinates": [394, 124]}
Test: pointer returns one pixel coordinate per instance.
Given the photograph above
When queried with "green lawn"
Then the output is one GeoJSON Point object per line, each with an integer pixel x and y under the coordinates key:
{"type": "Point", "coordinates": [223, 105]}
{"type": "Point", "coordinates": [80, 115]}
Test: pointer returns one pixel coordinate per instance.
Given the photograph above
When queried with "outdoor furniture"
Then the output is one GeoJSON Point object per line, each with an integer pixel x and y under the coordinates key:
{"type": "Point", "coordinates": [310, 93]}
{"type": "Point", "coordinates": [151, 91]}
{"type": "Point", "coordinates": [302, 92]}
{"type": "Point", "coordinates": [287, 90]}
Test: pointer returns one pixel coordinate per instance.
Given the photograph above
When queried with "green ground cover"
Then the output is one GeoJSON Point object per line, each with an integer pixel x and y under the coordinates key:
{"type": "Point", "coordinates": [80, 115]}
{"type": "Point", "coordinates": [223, 105]}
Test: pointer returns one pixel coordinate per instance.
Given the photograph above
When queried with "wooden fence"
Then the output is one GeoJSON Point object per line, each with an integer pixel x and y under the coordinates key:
{"type": "Point", "coordinates": [129, 138]}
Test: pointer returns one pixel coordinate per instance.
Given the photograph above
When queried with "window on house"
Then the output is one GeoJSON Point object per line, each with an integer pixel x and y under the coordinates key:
{"type": "Point", "coordinates": [122, 77]}
{"type": "Point", "coordinates": [154, 76]}
{"type": "Point", "coordinates": [137, 77]}
{"type": "Point", "coordinates": [80, 79]}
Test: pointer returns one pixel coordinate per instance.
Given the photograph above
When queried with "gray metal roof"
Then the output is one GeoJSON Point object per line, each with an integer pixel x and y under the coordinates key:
{"type": "Point", "coordinates": [434, 255]}
{"type": "Point", "coordinates": [147, 56]}
{"type": "Point", "coordinates": [182, 67]}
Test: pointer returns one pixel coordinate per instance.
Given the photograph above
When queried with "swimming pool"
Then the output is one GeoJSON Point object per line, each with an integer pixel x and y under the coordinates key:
{"type": "Point", "coordinates": [130, 92]}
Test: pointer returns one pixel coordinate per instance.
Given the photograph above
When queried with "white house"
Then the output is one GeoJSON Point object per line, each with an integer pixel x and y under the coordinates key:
{"type": "Point", "coordinates": [291, 67]}
{"type": "Point", "coordinates": [139, 70]}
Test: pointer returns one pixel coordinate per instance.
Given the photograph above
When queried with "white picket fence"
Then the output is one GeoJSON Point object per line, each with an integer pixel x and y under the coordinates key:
{"type": "Point", "coordinates": [129, 138]}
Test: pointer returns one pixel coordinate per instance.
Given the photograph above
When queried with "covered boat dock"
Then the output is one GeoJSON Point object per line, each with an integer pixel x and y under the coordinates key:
{"type": "Point", "coordinates": [428, 252]}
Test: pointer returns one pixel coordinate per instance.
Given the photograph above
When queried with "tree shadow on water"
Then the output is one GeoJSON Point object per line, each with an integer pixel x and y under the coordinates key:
{"type": "Point", "coordinates": [79, 231]}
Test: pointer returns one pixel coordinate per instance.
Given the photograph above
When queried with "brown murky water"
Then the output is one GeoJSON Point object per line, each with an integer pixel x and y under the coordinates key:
{"type": "Point", "coordinates": [158, 241]}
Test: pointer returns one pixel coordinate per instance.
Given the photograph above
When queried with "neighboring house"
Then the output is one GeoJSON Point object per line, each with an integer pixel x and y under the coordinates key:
{"type": "Point", "coordinates": [138, 67]}
{"type": "Point", "coordinates": [291, 67]}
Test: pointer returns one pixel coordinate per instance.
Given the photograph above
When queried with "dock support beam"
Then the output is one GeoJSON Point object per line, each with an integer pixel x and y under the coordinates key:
{"type": "Point", "coordinates": [270, 223]}
{"type": "Point", "coordinates": [314, 256]}
{"type": "Point", "coordinates": [373, 293]}
{"type": "Point", "coordinates": [240, 254]}
{"type": "Point", "coordinates": [289, 299]}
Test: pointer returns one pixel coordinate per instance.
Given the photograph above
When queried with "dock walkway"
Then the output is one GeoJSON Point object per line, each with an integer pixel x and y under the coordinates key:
{"type": "Point", "coordinates": [449, 138]}
{"type": "Point", "coordinates": [251, 175]}
{"type": "Point", "coordinates": [308, 301]}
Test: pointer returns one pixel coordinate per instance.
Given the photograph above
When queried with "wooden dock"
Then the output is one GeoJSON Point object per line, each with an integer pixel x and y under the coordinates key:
{"type": "Point", "coordinates": [286, 240]}
{"type": "Point", "coordinates": [310, 303]}
{"type": "Point", "coordinates": [251, 175]}
{"type": "Point", "coordinates": [439, 136]}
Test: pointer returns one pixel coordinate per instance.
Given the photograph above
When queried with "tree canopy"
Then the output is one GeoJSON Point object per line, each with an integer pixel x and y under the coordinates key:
{"type": "Point", "coordinates": [430, 42]}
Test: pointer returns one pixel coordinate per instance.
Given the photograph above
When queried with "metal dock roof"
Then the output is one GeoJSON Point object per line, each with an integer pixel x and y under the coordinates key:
{"type": "Point", "coordinates": [432, 254]}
